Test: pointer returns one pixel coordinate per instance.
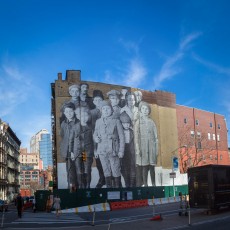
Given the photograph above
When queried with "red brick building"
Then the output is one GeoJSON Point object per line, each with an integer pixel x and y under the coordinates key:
{"type": "Point", "coordinates": [202, 138]}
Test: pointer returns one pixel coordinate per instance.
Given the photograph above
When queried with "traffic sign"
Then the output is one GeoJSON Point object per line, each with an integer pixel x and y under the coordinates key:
{"type": "Point", "coordinates": [172, 175]}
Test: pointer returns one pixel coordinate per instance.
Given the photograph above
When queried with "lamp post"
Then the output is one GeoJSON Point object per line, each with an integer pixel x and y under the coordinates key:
{"type": "Point", "coordinates": [174, 162]}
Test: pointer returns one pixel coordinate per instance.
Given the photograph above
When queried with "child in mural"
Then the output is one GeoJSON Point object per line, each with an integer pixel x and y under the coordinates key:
{"type": "Point", "coordinates": [138, 97]}
{"type": "Point", "coordinates": [122, 102]}
{"type": "Point", "coordinates": [130, 107]}
{"type": "Point", "coordinates": [65, 130]}
{"type": "Point", "coordinates": [128, 167]}
{"type": "Point", "coordinates": [81, 141]}
{"type": "Point", "coordinates": [85, 99]}
{"type": "Point", "coordinates": [74, 92]}
{"type": "Point", "coordinates": [109, 136]}
{"type": "Point", "coordinates": [146, 145]}
{"type": "Point", "coordinates": [96, 114]}
{"type": "Point", "coordinates": [114, 98]}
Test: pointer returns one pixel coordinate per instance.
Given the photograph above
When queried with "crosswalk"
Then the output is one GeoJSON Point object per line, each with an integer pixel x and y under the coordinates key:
{"type": "Point", "coordinates": [48, 218]}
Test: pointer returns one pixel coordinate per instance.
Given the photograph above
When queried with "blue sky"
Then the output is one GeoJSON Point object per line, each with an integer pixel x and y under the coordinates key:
{"type": "Point", "coordinates": [173, 45]}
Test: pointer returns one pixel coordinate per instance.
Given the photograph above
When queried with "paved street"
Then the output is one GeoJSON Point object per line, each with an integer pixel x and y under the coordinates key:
{"type": "Point", "coordinates": [124, 219]}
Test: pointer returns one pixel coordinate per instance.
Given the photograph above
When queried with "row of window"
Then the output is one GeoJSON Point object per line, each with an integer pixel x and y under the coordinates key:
{"type": "Point", "coordinates": [210, 136]}
{"type": "Point", "coordinates": [197, 123]}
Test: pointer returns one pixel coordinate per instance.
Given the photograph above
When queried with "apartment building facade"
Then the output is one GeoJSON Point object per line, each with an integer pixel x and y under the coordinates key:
{"type": "Point", "coordinates": [9, 162]}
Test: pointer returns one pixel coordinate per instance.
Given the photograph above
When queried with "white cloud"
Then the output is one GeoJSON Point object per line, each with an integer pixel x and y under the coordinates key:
{"type": "Point", "coordinates": [169, 69]}
{"type": "Point", "coordinates": [14, 89]}
{"type": "Point", "coordinates": [136, 73]}
{"type": "Point", "coordinates": [212, 66]}
{"type": "Point", "coordinates": [130, 46]}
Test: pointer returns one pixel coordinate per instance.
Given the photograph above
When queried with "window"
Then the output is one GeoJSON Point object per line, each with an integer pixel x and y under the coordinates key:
{"type": "Point", "coordinates": [197, 122]}
{"type": "Point", "coordinates": [213, 136]}
{"type": "Point", "coordinates": [218, 137]}
{"type": "Point", "coordinates": [210, 124]}
{"type": "Point", "coordinates": [198, 134]}
{"type": "Point", "coordinates": [199, 145]}
{"type": "Point", "coordinates": [209, 136]}
{"type": "Point", "coordinates": [221, 157]}
{"type": "Point", "coordinates": [185, 120]}
{"type": "Point", "coordinates": [203, 156]}
{"type": "Point", "coordinates": [218, 126]}
{"type": "Point", "coordinates": [210, 157]}
{"type": "Point", "coordinates": [192, 133]}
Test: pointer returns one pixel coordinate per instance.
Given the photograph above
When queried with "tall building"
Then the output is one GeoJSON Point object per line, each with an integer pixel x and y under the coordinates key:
{"type": "Point", "coordinates": [41, 143]}
{"type": "Point", "coordinates": [9, 162]}
{"type": "Point", "coordinates": [34, 141]}
{"type": "Point", "coordinates": [45, 150]}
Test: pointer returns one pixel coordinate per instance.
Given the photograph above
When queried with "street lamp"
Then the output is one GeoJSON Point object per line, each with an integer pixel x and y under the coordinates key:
{"type": "Point", "coordinates": [174, 162]}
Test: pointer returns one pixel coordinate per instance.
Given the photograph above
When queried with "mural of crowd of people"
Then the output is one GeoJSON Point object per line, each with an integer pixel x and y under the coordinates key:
{"type": "Point", "coordinates": [114, 129]}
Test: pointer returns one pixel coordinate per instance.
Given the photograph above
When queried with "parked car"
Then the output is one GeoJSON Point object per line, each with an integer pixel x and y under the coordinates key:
{"type": "Point", "coordinates": [3, 206]}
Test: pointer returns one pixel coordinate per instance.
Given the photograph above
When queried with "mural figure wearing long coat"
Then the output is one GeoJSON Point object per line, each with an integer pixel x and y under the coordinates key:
{"type": "Point", "coordinates": [146, 143]}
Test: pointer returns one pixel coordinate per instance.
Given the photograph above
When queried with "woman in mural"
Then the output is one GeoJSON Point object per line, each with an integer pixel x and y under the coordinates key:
{"type": "Point", "coordinates": [109, 136]}
{"type": "Point", "coordinates": [81, 141]}
{"type": "Point", "coordinates": [130, 107]}
{"type": "Point", "coordinates": [146, 145]}
{"type": "Point", "coordinates": [139, 96]}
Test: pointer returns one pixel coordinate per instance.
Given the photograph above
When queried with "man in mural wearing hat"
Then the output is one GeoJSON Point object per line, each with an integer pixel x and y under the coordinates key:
{"type": "Point", "coordinates": [85, 99]}
{"type": "Point", "coordinates": [128, 167]}
{"type": "Point", "coordinates": [109, 136]}
{"type": "Point", "coordinates": [95, 115]}
{"type": "Point", "coordinates": [114, 98]}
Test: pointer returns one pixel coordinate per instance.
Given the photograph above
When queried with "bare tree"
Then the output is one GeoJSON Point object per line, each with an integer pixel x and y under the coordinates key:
{"type": "Point", "coordinates": [197, 149]}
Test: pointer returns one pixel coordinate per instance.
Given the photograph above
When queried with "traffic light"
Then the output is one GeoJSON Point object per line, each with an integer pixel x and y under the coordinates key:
{"type": "Point", "coordinates": [84, 157]}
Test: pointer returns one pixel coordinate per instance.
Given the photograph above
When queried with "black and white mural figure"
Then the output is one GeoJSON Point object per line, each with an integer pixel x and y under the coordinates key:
{"type": "Point", "coordinates": [80, 140]}
{"type": "Point", "coordinates": [130, 107]}
{"type": "Point", "coordinates": [85, 99]}
{"type": "Point", "coordinates": [128, 162]}
{"type": "Point", "coordinates": [96, 114]}
{"type": "Point", "coordinates": [146, 145]}
{"type": "Point", "coordinates": [66, 127]}
{"type": "Point", "coordinates": [109, 135]}
{"type": "Point", "coordinates": [74, 92]}
{"type": "Point", "coordinates": [138, 97]}
{"type": "Point", "coordinates": [114, 98]}
{"type": "Point", "coordinates": [122, 102]}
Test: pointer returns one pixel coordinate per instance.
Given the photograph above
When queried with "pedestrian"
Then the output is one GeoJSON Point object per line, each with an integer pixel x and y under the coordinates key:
{"type": "Point", "coordinates": [19, 205]}
{"type": "Point", "coordinates": [57, 205]}
{"type": "Point", "coordinates": [34, 204]}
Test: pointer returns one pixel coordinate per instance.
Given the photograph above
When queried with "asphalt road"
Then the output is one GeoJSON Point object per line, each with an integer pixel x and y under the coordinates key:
{"type": "Point", "coordinates": [133, 219]}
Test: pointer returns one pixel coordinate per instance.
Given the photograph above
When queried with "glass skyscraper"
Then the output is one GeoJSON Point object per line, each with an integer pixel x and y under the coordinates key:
{"type": "Point", "coordinates": [45, 150]}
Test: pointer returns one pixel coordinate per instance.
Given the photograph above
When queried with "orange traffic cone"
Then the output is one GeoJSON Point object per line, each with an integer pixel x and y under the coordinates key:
{"type": "Point", "coordinates": [156, 217]}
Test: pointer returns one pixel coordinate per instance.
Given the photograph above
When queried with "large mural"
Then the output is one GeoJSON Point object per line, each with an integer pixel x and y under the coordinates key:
{"type": "Point", "coordinates": [107, 135]}
{"type": "Point", "coordinates": [112, 132]}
